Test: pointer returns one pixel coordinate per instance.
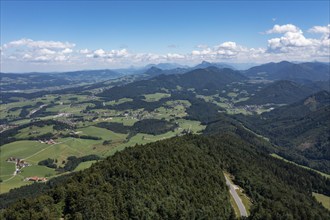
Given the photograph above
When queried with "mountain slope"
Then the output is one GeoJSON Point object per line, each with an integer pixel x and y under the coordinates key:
{"type": "Point", "coordinates": [209, 80]}
{"type": "Point", "coordinates": [290, 71]}
{"type": "Point", "coordinates": [206, 64]}
{"type": "Point", "coordinates": [279, 92]}
{"type": "Point", "coordinates": [180, 178]}
{"type": "Point", "coordinates": [301, 129]}
{"type": "Point", "coordinates": [165, 66]}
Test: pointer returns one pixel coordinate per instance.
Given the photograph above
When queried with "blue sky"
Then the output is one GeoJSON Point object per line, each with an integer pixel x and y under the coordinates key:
{"type": "Point", "coordinates": [115, 34]}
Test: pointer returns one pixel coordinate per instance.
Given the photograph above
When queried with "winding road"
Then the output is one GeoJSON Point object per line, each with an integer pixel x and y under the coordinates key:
{"type": "Point", "coordinates": [237, 199]}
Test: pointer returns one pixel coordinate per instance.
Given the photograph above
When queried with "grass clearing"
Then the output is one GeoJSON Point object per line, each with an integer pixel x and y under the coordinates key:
{"type": "Point", "coordinates": [232, 94]}
{"type": "Point", "coordinates": [12, 183]}
{"type": "Point", "coordinates": [103, 133]}
{"type": "Point", "coordinates": [85, 165]}
{"type": "Point", "coordinates": [36, 170]}
{"type": "Point", "coordinates": [34, 131]}
{"type": "Point", "coordinates": [325, 200]}
{"type": "Point", "coordinates": [119, 101]}
{"type": "Point", "coordinates": [288, 161]}
{"type": "Point", "coordinates": [155, 96]}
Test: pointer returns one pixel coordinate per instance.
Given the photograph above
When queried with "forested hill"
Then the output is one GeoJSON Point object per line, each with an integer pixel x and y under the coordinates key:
{"type": "Point", "coordinates": [208, 80]}
{"type": "Point", "coordinates": [312, 71]}
{"type": "Point", "coordinates": [179, 178]}
{"type": "Point", "coordinates": [301, 129]}
{"type": "Point", "coordinates": [280, 92]}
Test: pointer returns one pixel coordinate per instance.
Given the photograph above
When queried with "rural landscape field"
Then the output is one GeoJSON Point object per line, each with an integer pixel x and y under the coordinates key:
{"type": "Point", "coordinates": [163, 127]}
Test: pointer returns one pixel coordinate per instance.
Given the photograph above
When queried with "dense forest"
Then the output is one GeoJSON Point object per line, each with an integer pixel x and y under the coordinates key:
{"type": "Point", "coordinates": [180, 178]}
{"type": "Point", "coordinates": [300, 129]}
{"type": "Point", "coordinates": [146, 126]}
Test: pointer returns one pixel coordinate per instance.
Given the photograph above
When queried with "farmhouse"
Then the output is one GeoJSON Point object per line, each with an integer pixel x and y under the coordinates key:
{"type": "Point", "coordinates": [20, 163]}
{"type": "Point", "coordinates": [36, 179]}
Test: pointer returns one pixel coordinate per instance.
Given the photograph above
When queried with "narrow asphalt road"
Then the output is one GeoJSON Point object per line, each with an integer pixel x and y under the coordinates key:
{"type": "Point", "coordinates": [237, 199]}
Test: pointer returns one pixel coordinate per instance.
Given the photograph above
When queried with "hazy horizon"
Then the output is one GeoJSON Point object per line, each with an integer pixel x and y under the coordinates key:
{"type": "Point", "coordinates": [75, 35]}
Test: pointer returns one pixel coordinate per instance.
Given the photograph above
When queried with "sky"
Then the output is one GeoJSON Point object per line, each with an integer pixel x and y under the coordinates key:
{"type": "Point", "coordinates": [74, 35]}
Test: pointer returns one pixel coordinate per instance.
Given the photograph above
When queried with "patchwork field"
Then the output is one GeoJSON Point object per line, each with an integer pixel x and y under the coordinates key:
{"type": "Point", "coordinates": [104, 143]}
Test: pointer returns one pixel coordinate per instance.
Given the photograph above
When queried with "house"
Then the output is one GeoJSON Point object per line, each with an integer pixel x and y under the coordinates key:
{"type": "Point", "coordinates": [36, 179]}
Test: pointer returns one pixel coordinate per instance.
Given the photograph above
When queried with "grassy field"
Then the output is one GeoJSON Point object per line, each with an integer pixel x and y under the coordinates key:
{"type": "Point", "coordinates": [23, 150]}
{"type": "Point", "coordinates": [281, 158]}
{"type": "Point", "coordinates": [34, 131]}
{"type": "Point", "coordinates": [103, 133]}
{"type": "Point", "coordinates": [84, 165]}
{"type": "Point", "coordinates": [119, 101]}
{"type": "Point", "coordinates": [12, 183]}
{"type": "Point", "coordinates": [33, 152]}
{"type": "Point", "coordinates": [325, 200]}
{"type": "Point", "coordinates": [155, 96]}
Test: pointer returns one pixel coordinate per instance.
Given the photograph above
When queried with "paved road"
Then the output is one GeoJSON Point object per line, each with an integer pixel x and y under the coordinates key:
{"type": "Point", "coordinates": [237, 199]}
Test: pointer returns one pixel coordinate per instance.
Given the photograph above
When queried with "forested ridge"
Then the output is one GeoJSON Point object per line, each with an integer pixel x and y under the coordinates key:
{"type": "Point", "coordinates": [181, 177]}
{"type": "Point", "coordinates": [300, 129]}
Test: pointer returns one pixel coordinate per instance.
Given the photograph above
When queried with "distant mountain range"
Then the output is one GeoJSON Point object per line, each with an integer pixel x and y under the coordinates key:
{"type": "Point", "coordinates": [166, 66]}
{"type": "Point", "coordinates": [206, 64]}
{"type": "Point", "coordinates": [23, 81]}
{"type": "Point", "coordinates": [302, 73]}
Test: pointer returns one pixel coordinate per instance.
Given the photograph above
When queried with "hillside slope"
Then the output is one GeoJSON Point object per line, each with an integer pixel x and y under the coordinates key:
{"type": "Point", "coordinates": [279, 92]}
{"type": "Point", "coordinates": [180, 178]}
{"type": "Point", "coordinates": [209, 80]}
{"type": "Point", "coordinates": [302, 129]}
{"type": "Point", "coordinates": [290, 71]}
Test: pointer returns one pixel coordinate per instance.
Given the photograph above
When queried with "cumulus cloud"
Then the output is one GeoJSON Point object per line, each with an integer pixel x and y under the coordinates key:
{"type": "Point", "coordinates": [84, 51]}
{"type": "Point", "coordinates": [280, 29]}
{"type": "Point", "coordinates": [67, 50]}
{"type": "Point", "coordinates": [320, 29]}
{"type": "Point", "coordinates": [28, 50]}
{"type": "Point", "coordinates": [290, 43]}
{"type": "Point", "coordinates": [99, 53]}
{"type": "Point", "coordinates": [294, 44]}
{"type": "Point", "coordinates": [173, 56]}
{"type": "Point", "coordinates": [39, 44]}
{"type": "Point", "coordinates": [225, 50]}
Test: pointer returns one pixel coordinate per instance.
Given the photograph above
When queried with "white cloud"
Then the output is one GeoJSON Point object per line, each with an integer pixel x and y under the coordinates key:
{"type": "Point", "coordinates": [291, 44]}
{"type": "Point", "coordinates": [46, 51]}
{"type": "Point", "coordinates": [280, 29]}
{"type": "Point", "coordinates": [39, 44]}
{"type": "Point", "coordinates": [84, 51]}
{"type": "Point", "coordinates": [225, 50]}
{"type": "Point", "coordinates": [66, 51]}
{"type": "Point", "coordinates": [99, 53]}
{"type": "Point", "coordinates": [289, 40]}
{"type": "Point", "coordinates": [294, 45]}
{"type": "Point", "coordinates": [320, 29]}
{"type": "Point", "coordinates": [174, 56]}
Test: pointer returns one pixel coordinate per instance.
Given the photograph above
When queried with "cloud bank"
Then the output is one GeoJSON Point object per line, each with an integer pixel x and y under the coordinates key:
{"type": "Point", "coordinates": [286, 42]}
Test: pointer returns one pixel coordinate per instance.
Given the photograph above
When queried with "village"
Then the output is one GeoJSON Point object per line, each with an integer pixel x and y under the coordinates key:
{"type": "Point", "coordinates": [19, 165]}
